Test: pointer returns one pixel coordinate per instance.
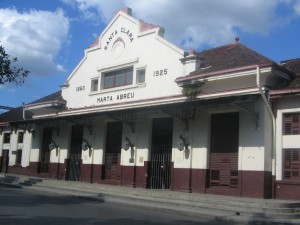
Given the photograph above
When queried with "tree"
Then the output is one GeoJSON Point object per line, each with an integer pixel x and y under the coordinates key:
{"type": "Point", "coordinates": [8, 71]}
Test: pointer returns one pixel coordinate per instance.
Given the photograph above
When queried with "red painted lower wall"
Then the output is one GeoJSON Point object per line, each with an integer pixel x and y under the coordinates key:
{"type": "Point", "coordinates": [257, 184]}
{"type": "Point", "coordinates": [287, 190]}
{"type": "Point", "coordinates": [130, 175]}
{"type": "Point", "coordinates": [189, 180]}
{"type": "Point", "coordinates": [18, 170]}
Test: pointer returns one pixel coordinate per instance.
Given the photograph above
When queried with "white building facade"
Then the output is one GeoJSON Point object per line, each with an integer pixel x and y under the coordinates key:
{"type": "Point", "coordinates": [139, 111]}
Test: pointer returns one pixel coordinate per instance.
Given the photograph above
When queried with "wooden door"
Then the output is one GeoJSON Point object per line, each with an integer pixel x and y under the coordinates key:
{"type": "Point", "coordinates": [224, 150]}
{"type": "Point", "coordinates": [112, 170]}
{"type": "Point", "coordinates": [5, 160]}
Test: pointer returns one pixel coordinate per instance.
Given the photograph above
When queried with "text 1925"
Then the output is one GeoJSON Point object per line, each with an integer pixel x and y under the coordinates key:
{"type": "Point", "coordinates": [162, 72]}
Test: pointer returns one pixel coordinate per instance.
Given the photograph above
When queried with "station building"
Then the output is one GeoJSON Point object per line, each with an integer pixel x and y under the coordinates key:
{"type": "Point", "coordinates": [139, 111]}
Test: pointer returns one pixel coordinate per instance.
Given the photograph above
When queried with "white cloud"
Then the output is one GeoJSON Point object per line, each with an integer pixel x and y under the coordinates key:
{"type": "Point", "coordinates": [194, 23]}
{"type": "Point", "coordinates": [35, 38]}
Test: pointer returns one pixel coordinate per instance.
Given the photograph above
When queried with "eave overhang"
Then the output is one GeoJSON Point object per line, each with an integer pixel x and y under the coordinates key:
{"type": "Point", "coordinates": [234, 72]}
{"type": "Point", "coordinates": [48, 104]}
{"type": "Point", "coordinates": [277, 94]}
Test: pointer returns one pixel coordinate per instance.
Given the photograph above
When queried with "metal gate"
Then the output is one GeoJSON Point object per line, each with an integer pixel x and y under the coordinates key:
{"type": "Point", "coordinates": [45, 154]}
{"type": "Point", "coordinates": [160, 174]}
{"type": "Point", "coordinates": [75, 163]}
{"type": "Point", "coordinates": [75, 153]}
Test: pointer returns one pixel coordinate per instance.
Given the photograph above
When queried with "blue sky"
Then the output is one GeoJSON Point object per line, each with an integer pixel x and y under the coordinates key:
{"type": "Point", "coordinates": [49, 36]}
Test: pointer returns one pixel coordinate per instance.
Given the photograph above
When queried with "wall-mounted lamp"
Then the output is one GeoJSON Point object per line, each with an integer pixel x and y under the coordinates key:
{"type": "Point", "coordinates": [127, 144]}
{"type": "Point", "coordinates": [32, 131]}
{"type": "Point", "coordinates": [53, 145]}
{"type": "Point", "coordinates": [182, 144]}
{"type": "Point", "coordinates": [85, 145]}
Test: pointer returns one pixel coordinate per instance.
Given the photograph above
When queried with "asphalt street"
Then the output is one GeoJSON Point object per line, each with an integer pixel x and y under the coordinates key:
{"type": "Point", "coordinates": [27, 207]}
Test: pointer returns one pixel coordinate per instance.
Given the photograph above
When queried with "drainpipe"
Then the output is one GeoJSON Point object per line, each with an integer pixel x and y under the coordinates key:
{"type": "Point", "coordinates": [273, 128]}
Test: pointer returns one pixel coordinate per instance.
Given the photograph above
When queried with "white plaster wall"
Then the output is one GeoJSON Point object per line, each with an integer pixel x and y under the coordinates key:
{"type": "Point", "coordinates": [63, 142]}
{"type": "Point", "coordinates": [291, 141]}
{"type": "Point", "coordinates": [36, 144]}
{"type": "Point", "coordinates": [98, 144]}
{"type": "Point", "coordinates": [12, 148]}
{"type": "Point", "coordinates": [200, 128]}
{"type": "Point", "coordinates": [126, 155]}
{"type": "Point", "coordinates": [252, 140]}
{"type": "Point", "coordinates": [26, 148]}
{"type": "Point", "coordinates": [181, 159]}
{"type": "Point", "coordinates": [3, 145]}
{"type": "Point", "coordinates": [149, 51]}
{"type": "Point", "coordinates": [143, 140]}
{"type": "Point", "coordinates": [87, 156]}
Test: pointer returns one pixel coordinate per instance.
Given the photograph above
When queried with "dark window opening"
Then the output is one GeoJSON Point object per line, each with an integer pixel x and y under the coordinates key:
{"type": "Point", "coordinates": [20, 137]}
{"type": "Point", "coordinates": [19, 157]}
{"type": "Point", "coordinates": [291, 164]}
{"type": "Point", "coordinates": [118, 78]}
{"type": "Point", "coordinates": [291, 123]}
{"type": "Point", "coordinates": [6, 138]}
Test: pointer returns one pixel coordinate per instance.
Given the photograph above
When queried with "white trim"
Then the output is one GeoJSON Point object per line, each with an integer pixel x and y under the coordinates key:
{"type": "Point", "coordinates": [118, 65]}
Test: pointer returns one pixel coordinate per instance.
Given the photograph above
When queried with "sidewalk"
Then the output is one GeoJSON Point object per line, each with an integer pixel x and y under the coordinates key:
{"type": "Point", "coordinates": [248, 210]}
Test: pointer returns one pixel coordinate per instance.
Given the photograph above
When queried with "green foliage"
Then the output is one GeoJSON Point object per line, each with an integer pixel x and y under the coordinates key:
{"type": "Point", "coordinates": [8, 72]}
{"type": "Point", "coordinates": [191, 91]}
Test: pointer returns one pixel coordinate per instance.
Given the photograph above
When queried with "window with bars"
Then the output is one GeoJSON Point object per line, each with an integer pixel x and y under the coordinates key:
{"type": "Point", "coordinates": [19, 157]}
{"type": "Point", "coordinates": [6, 138]}
{"type": "Point", "coordinates": [291, 123]}
{"type": "Point", "coordinates": [118, 78]}
{"type": "Point", "coordinates": [291, 164]}
{"type": "Point", "coordinates": [20, 137]}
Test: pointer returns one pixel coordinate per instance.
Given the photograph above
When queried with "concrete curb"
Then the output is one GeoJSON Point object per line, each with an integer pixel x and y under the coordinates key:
{"type": "Point", "coordinates": [166, 206]}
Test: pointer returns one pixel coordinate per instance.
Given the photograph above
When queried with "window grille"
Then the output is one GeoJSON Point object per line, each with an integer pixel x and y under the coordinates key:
{"type": "Point", "coordinates": [291, 123]}
{"type": "Point", "coordinates": [291, 164]}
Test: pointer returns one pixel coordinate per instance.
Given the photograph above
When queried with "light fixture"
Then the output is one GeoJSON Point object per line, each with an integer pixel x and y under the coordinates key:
{"type": "Point", "coordinates": [32, 131]}
{"type": "Point", "coordinates": [85, 145]}
{"type": "Point", "coordinates": [127, 144]}
{"type": "Point", "coordinates": [182, 144]}
{"type": "Point", "coordinates": [52, 145]}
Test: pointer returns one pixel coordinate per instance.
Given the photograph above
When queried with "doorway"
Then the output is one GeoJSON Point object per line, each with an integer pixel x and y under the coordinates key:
{"type": "Point", "coordinates": [45, 154]}
{"type": "Point", "coordinates": [161, 153]}
{"type": "Point", "coordinates": [224, 142]}
{"type": "Point", "coordinates": [5, 160]}
{"type": "Point", "coordinates": [112, 169]}
{"type": "Point", "coordinates": [75, 153]}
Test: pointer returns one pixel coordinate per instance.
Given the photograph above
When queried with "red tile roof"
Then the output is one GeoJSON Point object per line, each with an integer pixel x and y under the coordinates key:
{"type": "Point", "coordinates": [228, 57]}
{"type": "Point", "coordinates": [16, 114]}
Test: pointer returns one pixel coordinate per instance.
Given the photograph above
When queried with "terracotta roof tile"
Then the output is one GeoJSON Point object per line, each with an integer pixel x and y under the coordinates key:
{"type": "Point", "coordinates": [292, 65]}
{"type": "Point", "coordinates": [16, 114]}
{"type": "Point", "coordinates": [228, 57]}
{"type": "Point", "coordinates": [56, 96]}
